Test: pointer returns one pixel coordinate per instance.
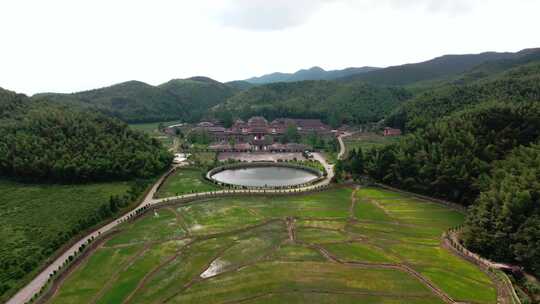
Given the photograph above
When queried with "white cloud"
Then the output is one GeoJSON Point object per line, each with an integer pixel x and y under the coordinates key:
{"type": "Point", "coordinates": [268, 15]}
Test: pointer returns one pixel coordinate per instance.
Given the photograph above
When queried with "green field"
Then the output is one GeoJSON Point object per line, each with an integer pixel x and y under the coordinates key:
{"type": "Point", "coordinates": [337, 246]}
{"type": "Point", "coordinates": [152, 130]}
{"type": "Point", "coordinates": [38, 218]}
{"type": "Point", "coordinates": [185, 180]}
{"type": "Point", "coordinates": [368, 141]}
{"type": "Point", "coordinates": [152, 127]}
{"type": "Point", "coordinates": [203, 159]}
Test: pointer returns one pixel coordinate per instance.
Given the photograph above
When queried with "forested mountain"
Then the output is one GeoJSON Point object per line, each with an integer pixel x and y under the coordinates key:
{"type": "Point", "coordinates": [517, 84]}
{"type": "Point", "coordinates": [438, 68]}
{"type": "Point", "coordinates": [46, 142]}
{"type": "Point", "coordinates": [240, 85]}
{"type": "Point", "coordinates": [314, 73]}
{"type": "Point", "coordinates": [333, 102]}
{"type": "Point", "coordinates": [134, 101]}
{"type": "Point", "coordinates": [198, 94]}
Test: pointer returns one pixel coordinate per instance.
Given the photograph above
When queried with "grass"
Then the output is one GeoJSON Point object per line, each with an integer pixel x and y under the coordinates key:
{"type": "Point", "coordinates": [358, 252]}
{"type": "Point", "coordinates": [91, 276]}
{"type": "Point", "coordinates": [280, 277]}
{"type": "Point", "coordinates": [368, 140]}
{"type": "Point", "coordinates": [242, 250]}
{"type": "Point", "coordinates": [185, 180]}
{"type": "Point", "coordinates": [152, 127]}
{"type": "Point", "coordinates": [203, 159]}
{"type": "Point", "coordinates": [152, 130]}
{"type": "Point", "coordinates": [36, 219]}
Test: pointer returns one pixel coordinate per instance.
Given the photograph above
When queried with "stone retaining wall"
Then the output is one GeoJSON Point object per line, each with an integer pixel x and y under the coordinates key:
{"type": "Point", "coordinates": [506, 294]}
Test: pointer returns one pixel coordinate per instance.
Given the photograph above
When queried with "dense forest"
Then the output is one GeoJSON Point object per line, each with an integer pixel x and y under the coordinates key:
{"type": "Point", "coordinates": [44, 142]}
{"type": "Point", "coordinates": [333, 102]}
{"type": "Point", "coordinates": [504, 223]}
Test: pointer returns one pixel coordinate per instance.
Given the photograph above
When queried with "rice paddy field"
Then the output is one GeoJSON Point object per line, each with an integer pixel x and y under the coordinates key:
{"type": "Point", "coordinates": [343, 245]}
{"type": "Point", "coordinates": [185, 180]}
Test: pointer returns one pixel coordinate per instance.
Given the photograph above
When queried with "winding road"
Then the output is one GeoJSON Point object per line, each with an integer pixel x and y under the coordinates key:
{"type": "Point", "coordinates": [25, 294]}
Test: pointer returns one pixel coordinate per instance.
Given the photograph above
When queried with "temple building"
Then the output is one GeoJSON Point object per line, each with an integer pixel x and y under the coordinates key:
{"type": "Point", "coordinates": [391, 132]}
{"type": "Point", "coordinates": [257, 134]}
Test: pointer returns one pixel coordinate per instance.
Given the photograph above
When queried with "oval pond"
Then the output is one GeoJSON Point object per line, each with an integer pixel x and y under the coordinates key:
{"type": "Point", "coordinates": [265, 176]}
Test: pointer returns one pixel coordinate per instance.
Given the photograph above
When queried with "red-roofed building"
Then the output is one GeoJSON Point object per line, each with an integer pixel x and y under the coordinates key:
{"type": "Point", "coordinates": [392, 132]}
{"type": "Point", "coordinates": [260, 134]}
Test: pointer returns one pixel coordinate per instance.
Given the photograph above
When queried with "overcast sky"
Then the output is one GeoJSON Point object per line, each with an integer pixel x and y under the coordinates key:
{"type": "Point", "coordinates": [73, 45]}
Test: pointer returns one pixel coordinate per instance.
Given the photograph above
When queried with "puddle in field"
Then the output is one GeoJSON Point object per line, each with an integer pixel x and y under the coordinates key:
{"type": "Point", "coordinates": [196, 227]}
{"type": "Point", "coordinates": [215, 268]}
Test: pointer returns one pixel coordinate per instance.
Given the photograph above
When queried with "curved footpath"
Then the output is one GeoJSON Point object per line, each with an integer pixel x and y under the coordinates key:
{"type": "Point", "coordinates": [26, 294]}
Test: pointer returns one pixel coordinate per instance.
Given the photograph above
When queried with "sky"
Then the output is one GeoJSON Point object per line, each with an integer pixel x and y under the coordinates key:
{"type": "Point", "coordinates": [74, 45]}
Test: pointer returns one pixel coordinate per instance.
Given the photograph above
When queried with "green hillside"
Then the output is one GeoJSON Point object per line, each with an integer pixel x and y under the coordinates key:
{"type": "Point", "coordinates": [198, 94]}
{"type": "Point", "coordinates": [240, 85]}
{"type": "Point", "coordinates": [137, 102]}
{"type": "Point", "coordinates": [314, 73]}
{"type": "Point", "coordinates": [333, 102]}
{"type": "Point", "coordinates": [517, 84]}
{"type": "Point", "coordinates": [42, 141]}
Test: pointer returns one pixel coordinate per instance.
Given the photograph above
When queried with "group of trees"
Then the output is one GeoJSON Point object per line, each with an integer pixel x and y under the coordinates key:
{"type": "Point", "coordinates": [200, 137]}
{"type": "Point", "coordinates": [504, 223]}
{"type": "Point", "coordinates": [46, 142]}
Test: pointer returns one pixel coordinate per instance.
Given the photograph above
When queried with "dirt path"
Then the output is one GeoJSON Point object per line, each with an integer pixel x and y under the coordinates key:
{"type": "Point", "coordinates": [327, 292]}
{"type": "Point", "coordinates": [352, 215]}
{"type": "Point", "coordinates": [342, 148]}
{"type": "Point", "coordinates": [290, 229]}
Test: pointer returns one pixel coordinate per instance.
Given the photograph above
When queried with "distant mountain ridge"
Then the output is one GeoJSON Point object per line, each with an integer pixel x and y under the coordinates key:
{"type": "Point", "coordinates": [437, 68]}
{"type": "Point", "coordinates": [314, 73]}
{"type": "Point", "coordinates": [192, 99]}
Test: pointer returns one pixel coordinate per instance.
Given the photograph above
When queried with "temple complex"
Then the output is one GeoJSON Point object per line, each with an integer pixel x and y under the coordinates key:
{"type": "Point", "coordinates": [257, 134]}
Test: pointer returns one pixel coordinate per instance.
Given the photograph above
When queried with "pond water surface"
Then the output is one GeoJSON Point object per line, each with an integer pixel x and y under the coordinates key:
{"type": "Point", "coordinates": [265, 176]}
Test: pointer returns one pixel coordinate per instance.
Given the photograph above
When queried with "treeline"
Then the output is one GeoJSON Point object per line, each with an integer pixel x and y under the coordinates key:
{"type": "Point", "coordinates": [42, 142]}
{"type": "Point", "coordinates": [333, 102]}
